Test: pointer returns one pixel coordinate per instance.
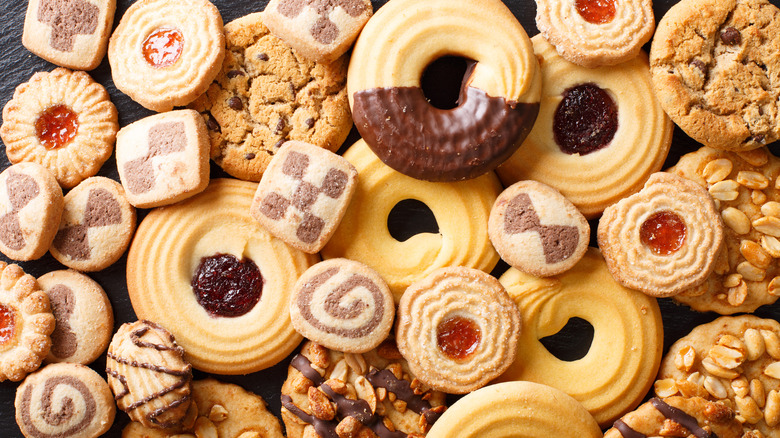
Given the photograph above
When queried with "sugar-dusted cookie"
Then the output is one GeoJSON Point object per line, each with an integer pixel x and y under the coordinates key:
{"type": "Point", "coordinates": [25, 323]}
{"type": "Point", "coordinates": [664, 239]}
{"type": "Point", "coordinates": [374, 392]}
{"type": "Point", "coordinates": [267, 94]}
{"type": "Point", "coordinates": [84, 317]}
{"type": "Point", "coordinates": [64, 400]}
{"type": "Point", "coordinates": [148, 375]}
{"type": "Point", "coordinates": [165, 53]}
{"type": "Point", "coordinates": [715, 65]}
{"type": "Point", "coordinates": [96, 227]}
{"type": "Point", "coordinates": [537, 230]}
{"type": "Point", "coordinates": [320, 31]}
{"type": "Point", "coordinates": [31, 205]}
{"type": "Point", "coordinates": [63, 120]}
{"type": "Point", "coordinates": [303, 195]}
{"type": "Point", "coordinates": [458, 329]}
{"type": "Point", "coordinates": [70, 33]}
{"type": "Point", "coordinates": [163, 158]}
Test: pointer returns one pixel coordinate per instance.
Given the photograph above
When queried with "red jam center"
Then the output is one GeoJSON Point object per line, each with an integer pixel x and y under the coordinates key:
{"type": "Point", "coordinates": [7, 324]}
{"type": "Point", "coordinates": [663, 232]}
{"type": "Point", "coordinates": [596, 11]}
{"type": "Point", "coordinates": [163, 47]}
{"type": "Point", "coordinates": [56, 126]}
{"type": "Point", "coordinates": [585, 120]}
{"type": "Point", "coordinates": [458, 337]}
{"type": "Point", "coordinates": [226, 286]}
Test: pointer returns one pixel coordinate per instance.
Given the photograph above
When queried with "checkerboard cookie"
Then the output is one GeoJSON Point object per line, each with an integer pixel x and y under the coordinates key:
{"type": "Point", "coordinates": [163, 158]}
{"type": "Point", "coordinates": [320, 31]}
{"type": "Point", "coordinates": [31, 205]}
{"type": "Point", "coordinates": [303, 195]}
{"type": "Point", "coordinates": [69, 33]}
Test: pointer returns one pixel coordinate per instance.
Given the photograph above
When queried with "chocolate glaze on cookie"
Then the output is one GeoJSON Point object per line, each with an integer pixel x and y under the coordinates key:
{"type": "Point", "coordinates": [677, 415]}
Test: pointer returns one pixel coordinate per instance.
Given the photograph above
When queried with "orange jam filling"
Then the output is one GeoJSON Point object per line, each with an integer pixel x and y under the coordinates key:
{"type": "Point", "coordinates": [163, 47]}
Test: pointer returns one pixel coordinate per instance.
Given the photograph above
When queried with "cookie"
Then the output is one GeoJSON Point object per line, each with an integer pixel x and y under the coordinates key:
{"type": "Point", "coordinates": [148, 375]}
{"type": "Point", "coordinates": [664, 239]}
{"type": "Point", "coordinates": [461, 211]}
{"type": "Point", "coordinates": [714, 66]}
{"type": "Point", "coordinates": [303, 195]}
{"type": "Point", "coordinates": [64, 400]}
{"type": "Point", "coordinates": [516, 409]}
{"type": "Point", "coordinates": [72, 34]}
{"type": "Point", "coordinates": [374, 392]}
{"type": "Point", "coordinates": [25, 323]}
{"type": "Point", "coordinates": [163, 158]}
{"type": "Point", "coordinates": [745, 188]}
{"type": "Point", "coordinates": [537, 230]}
{"type": "Point", "coordinates": [343, 305]}
{"type": "Point", "coordinates": [266, 94]}
{"type": "Point", "coordinates": [320, 31]}
{"type": "Point", "coordinates": [224, 410]}
{"type": "Point", "coordinates": [165, 53]}
{"type": "Point", "coordinates": [678, 416]}
{"type": "Point", "coordinates": [733, 360]}
{"type": "Point", "coordinates": [594, 34]}
{"type": "Point", "coordinates": [96, 227]}
{"type": "Point", "coordinates": [458, 329]}
{"type": "Point", "coordinates": [208, 272]}
{"type": "Point", "coordinates": [84, 317]}
{"type": "Point", "coordinates": [62, 120]}
{"type": "Point", "coordinates": [599, 135]}
{"type": "Point", "coordinates": [31, 205]}
{"type": "Point", "coordinates": [620, 365]}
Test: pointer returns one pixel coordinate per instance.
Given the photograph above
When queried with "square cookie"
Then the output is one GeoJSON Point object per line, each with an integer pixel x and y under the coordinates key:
{"type": "Point", "coordinates": [163, 158]}
{"type": "Point", "coordinates": [303, 195]}
{"type": "Point", "coordinates": [69, 33]}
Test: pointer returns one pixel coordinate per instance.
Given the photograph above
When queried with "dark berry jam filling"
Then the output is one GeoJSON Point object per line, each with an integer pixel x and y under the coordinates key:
{"type": "Point", "coordinates": [226, 286]}
{"type": "Point", "coordinates": [585, 120]}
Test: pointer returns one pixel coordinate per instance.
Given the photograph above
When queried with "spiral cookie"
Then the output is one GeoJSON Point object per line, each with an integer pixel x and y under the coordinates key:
{"type": "Point", "coordinates": [187, 260]}
{"type": "Point", "coordinates": [64, 400]}
{"type": "Point", "coordinates": [458, 329]}
{"type": "Point", "coordinates": [618, 369]}
{"type": "Point", "coordinates": [343, 305]}
{"type": "Point", "coordinates": [746, 274]}
{"type": "Point", "coordinates": [62, 120]}
{"type": "Point", "coordinates": [165, 53]}
{"type": "Point", "coordinates": [732, 360]}
{"type": "Point", "coordinates": [663, 239]}
{"type": "Point", "coordinates": [499, 98]}
{"type": "Point", "coordinates": [599, 134]}
{"type": "Point", "coordinates": [514, 409]}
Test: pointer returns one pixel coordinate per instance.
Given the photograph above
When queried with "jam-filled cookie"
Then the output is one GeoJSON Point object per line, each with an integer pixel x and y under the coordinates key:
{"type": "Point", "coordinates": [599, 135]}
{"type": "Point", "coordinates": [664, 239]}
{"type": "Point", "coordinates": [62, 120]}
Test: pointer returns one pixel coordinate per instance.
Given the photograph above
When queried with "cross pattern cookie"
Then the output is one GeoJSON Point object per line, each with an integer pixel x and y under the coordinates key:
{"type": "Point", "coordinates": [323, 29]}
{"type": "Point", "coordinates": [67, 19]}
{"type": "Point", "coordinates": [164, 139]}
{"type": "Point", "coordinates": [558, 241]}
{"type": "Point", "coordinates": [22, 189]}
{"type": "Point", "coordinates": [101, 210]}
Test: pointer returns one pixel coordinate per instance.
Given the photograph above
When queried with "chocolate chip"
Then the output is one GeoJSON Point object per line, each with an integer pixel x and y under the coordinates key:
{"type": "Point", "coordinates": [212, 124]}
{"type": "Point", "coordinates": [309, 123]}
{"type": "Point", "coordinates": [233, 73]}
{"type": "Point", "coordinates": [279, 126]}
{"type": "Point", "coordinates": [249, 156]}
{"type": "Point", "coordinates": [759, 138]}
{"type": "Point", "coordinates": [235, 103]}
{"type": "Point", "coordinates": [731, 36]}
{"type": "Point", "coordinates": [279, 144]}
{"type": "Point", "coordinates": [698, 63]}
{"type": "Point", "coordinates": [262, 56]}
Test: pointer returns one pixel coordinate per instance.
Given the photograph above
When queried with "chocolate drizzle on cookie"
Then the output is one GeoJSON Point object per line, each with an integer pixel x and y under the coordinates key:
{"type": "Point", "coordinates": [677, 415]}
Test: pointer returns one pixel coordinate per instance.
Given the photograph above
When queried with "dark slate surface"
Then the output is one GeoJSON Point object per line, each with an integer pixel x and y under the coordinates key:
{"type": "Point", "coordinates": [17, 65]}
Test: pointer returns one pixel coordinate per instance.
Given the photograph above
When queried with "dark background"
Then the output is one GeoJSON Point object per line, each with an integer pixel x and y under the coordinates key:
{"type": "Point", "coordinates": [17, 65]}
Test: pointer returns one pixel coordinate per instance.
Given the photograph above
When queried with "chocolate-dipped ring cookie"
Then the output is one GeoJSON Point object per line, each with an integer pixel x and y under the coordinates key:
{"type": "Point", "coordinates": [209, 273]}
{"type": "Point", "coordinates": [458, 329]}
{"type": "Point", "coordinates": [461, 210]}
{"type": "Point", "coordinates": [618, 369]}
{"type": "Point", "coordinates": [499, 99]}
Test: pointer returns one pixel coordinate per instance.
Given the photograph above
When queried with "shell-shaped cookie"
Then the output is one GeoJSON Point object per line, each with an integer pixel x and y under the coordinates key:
{"type": "Point", "coordinates": [148, 374]}
{"type": "Point", "coordinates": [664, 239]}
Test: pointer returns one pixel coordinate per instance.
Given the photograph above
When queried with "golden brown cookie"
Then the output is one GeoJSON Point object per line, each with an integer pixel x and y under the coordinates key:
{"type": "Point", "coordinates": [62, 120]}
{"type": "Point", "coordinates": [715, 65]}
{"type": "Point", "coordinates": [267, 94]}
{"type": "Point", "coordinates": [746, 274]}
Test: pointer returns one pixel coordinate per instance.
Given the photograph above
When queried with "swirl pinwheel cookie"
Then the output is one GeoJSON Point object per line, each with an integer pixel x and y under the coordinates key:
{"type": "Point", "coordinates": [62, 120]}
{"type": "Point", "coordinates": [664, 239]}
{"type": "Point", "coordinates": [165, 53]}
{"type": "Point", "coordinates": [64, 400]}
{"type": "Point", "coordinates": [458, 329]}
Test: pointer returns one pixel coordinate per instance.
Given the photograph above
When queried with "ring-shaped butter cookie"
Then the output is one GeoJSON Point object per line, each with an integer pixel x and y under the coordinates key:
{"type": "Point", "coordinates": [499, 98]}
{"type": "Point", "coordinates": [619, 368]}
{"type": "Point", "coordinates": [175, 249]}
{"type": "Point", "coordinates": [461, 210]}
